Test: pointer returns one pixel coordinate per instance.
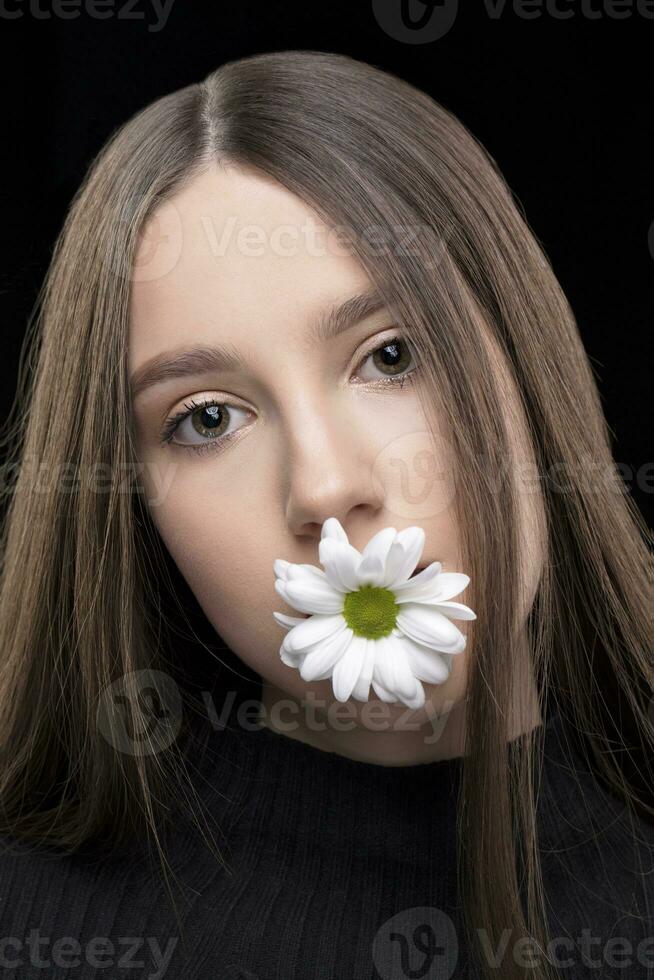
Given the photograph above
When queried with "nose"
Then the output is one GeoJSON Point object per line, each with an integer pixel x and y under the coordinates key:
{"type": "Point", "coordinates": [331, 474]}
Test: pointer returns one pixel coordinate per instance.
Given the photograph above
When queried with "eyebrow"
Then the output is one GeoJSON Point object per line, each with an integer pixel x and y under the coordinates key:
{"type": "Point", "coordinates": [201, 360]}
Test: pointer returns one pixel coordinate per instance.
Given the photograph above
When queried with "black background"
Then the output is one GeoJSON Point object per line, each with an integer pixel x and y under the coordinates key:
{"type": "Point", "coordinates": [565, 105]}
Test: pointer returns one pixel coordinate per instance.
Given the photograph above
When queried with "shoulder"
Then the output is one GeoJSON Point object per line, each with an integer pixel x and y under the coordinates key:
{"type": "Point", "coordinates": [40, 874]}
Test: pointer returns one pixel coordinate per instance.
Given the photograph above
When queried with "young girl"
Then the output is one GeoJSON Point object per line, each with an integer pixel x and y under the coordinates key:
{"type": "Point", "coordinates": [295, 318]}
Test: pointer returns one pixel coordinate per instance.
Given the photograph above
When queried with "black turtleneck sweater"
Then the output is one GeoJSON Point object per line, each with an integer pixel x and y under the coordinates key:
{"type": "Point", "coordinates": [337, 870]}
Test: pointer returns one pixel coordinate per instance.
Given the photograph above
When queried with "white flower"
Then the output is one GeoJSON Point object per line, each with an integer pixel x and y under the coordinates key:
{"type": "Point", "coordinates": [368, 621]}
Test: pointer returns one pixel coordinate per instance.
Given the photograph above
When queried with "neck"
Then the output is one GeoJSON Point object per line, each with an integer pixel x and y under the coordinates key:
{"type": "Point", "coordinates": [390, 735]}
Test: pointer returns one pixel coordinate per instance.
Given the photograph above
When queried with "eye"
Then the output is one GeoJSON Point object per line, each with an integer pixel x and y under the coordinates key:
{"type": "Point", "coordinates": [392, 359]}
{"type": "Point", "coordinates": [208, 424]}
{"type": "Point", "coordinates": [203, 424]}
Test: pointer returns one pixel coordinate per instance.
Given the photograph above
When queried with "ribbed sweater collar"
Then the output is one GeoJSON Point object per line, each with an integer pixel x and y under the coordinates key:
{"type": "Point", "coordinates": [301, 789]}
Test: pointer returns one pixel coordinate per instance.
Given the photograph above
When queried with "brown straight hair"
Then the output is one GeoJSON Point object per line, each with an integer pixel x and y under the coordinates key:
{"type": "Point", "coordinates": [373, 154]}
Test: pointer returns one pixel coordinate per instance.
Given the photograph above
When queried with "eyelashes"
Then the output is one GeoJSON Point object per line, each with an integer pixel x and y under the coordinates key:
{"type": "Point", "coordinates": [215, 414]}
{"type": "Point", "coordinates": [210, 418]}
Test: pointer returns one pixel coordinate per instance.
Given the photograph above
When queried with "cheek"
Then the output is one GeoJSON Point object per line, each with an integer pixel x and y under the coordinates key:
{"type": "Point", "coordinates": [223, 553]}
{"type": "Point", "coordinates": [442, 543]}
{"type": "Point", "coordinates": [415, 466]}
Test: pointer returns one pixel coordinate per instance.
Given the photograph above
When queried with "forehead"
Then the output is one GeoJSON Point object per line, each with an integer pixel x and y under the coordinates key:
{"type": "Point", "coordinates": [235, 255]}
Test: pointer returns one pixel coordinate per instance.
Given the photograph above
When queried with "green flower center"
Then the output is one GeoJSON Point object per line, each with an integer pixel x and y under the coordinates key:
{"type": "Point", "coordinates": [370, 611]}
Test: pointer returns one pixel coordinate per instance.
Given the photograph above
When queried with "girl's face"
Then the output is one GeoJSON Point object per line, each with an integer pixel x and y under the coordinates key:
{"type": "Point", "coordinates": [310, 424]}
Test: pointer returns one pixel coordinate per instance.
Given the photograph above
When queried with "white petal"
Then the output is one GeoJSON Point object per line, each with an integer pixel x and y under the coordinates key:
{"type": "Point", "coordinates": [306, 573]}
{"type": "Point", "coordinates": [380, 543]}
{"type": "Point", "coordinates": [439, 588]}
{"type": "Point", "coordinates": [332, 528]}
{"type": "Point", "coordinates": [371, 570]}
{"type": "Point", "coordinates": [314, 598]}
{"type": "Point", "coordinates": [393, 667]}
{"type": "Point", "coordinates": [419, 698]}
{"type": "Point", "coordinates": [361, 690]}
{"type": "Point", "coordinates": [288, 621]}
{"type": "Point", "coordinates": [423, 577]}
{"type": "Point", "coordinates": [319, 662]}
{"type": "Point", "coordinates": [340, 561]}
{"type": "Point", "coordinates": [381, 691]}
{"type": "Point", "coordinates": [451, 583]}
{"type": "Point", "coordinates": [280, 567]}
{"type": "Point", "coordinates": [347, 670]}
{"type": "Point", "coordinates": [428, 665]}
{"type": "Point", "coordinates": [456, 610]}
{"type": "Point", "coordinates": [425, 583]}
{"type": "Point", "coordinates": [426, 625]}
{"type": "Point", "coordinates": [280, 588]}
{"type": "Point", "coordinates": [403, 555]}
{"type": "Point", "coordinates": [313, 630]}
{"type": "Point", "coordinates": [289, 658]}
